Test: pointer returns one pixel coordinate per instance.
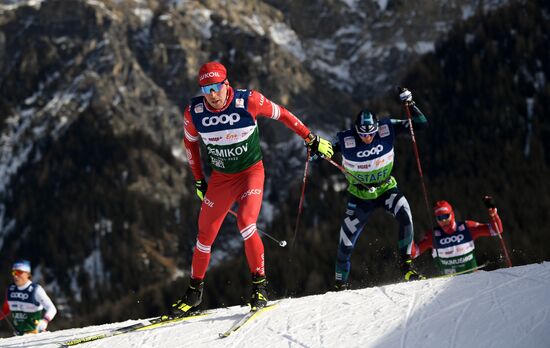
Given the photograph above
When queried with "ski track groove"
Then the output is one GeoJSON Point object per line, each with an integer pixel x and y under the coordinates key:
{"type": "Point", "coordinates": [383, 292]}
{"type": "Point", "coordinates": [319, 319]}
{"type": "Point", "coordinates": [521, 276]}
{"type": "Point", "coordinates": [308, 322]}
{"type": "Point", "coordinates": [317, 324]}
{"type": "Point", "coordinates": [458, 323]}
{"type": "Point", "coordinates": [500, 306]}
{"type": "Point", "coordinates": [287, 337]}
{"type": "Point", "coordinates": [406, 323]}
{"type": "Point", "coordinates": [539, 322]}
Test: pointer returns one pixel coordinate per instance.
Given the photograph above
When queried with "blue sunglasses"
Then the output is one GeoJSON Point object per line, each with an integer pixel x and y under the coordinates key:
{"type": "Point", "coordinates": [364, 135]}
{"type": "Point", "coordinates": [216, 87]}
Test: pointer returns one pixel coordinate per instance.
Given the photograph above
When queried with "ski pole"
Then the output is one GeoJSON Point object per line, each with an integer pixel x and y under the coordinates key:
{"type": "Point", "coordinates": [418, 165]}
{"type": "Point", "coordinates": [282, 243]}
{"type": "Point", "coordinates": [506, 256]}
{"type": "Point", "coordinates": [15, 332]}
{"type": "Point", "coordinates": [488, 200]}
{"type": "Point", "coordinates": [346, 172]}
{"type": "Point", "coordinates": [415, 148]}
{"type": "Point", "coordinates": [302, 196]}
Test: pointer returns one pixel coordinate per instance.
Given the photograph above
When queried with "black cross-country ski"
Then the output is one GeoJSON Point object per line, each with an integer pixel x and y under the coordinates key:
{"type": "Point", "coordinates": [152, 323]}
{"type": "Point", "coordinates": [246, 318]}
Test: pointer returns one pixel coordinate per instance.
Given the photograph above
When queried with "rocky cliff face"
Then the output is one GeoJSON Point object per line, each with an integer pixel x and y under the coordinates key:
{"type": "Point", "coordinates": [365, 47]}
{"type": "Point", "coordinates": [93, 185]}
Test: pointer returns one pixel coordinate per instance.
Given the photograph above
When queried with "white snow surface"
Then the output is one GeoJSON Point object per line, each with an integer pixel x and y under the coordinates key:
{"type": "Point", "coordinates": [502, 308]}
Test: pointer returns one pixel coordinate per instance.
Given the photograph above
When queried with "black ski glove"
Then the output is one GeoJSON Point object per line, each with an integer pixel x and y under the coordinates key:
{"type": "Point", "coordinates": [201, 186]}
{"type": "Point", "coordinates": [489, 202]}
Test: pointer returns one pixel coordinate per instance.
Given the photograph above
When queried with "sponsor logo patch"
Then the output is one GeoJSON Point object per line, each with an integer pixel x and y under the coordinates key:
{"type": "Point", "coordinates": [349, 142]}
{"type": "Point", "coordinates": [209, 75]}
{"type": "Point", "coordinates": [19, 295]}
{"type": "Point", "coordinates": [251, 192]}
{"type": "Point", "coordinates": [217, 162]}
{"type": "Point", "coordinates": [239, 103]}
{"type": "Point", "coordinates": [199, 108]}
{"type": "Point", "coordinates": [384, 131]}
{"type": "Point", "coordinates": [208, 202]}
{"type": "Point", "coordinates": [221, 119]}
{"type": "Point", "coordinates": [374, 151]}
{"type": "Point", "coordinates": [452, 239]}
{"type": "Point", "coordinates": [458, 261]}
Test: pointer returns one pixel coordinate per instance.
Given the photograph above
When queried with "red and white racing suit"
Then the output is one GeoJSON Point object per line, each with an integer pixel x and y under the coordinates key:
{"type": "Point", "coordinates": [231, 137]}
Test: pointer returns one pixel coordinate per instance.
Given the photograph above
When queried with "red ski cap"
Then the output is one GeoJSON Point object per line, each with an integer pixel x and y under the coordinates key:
{"type": "Point", "coordinates": [442, 208]}
{"type": "Point", "coordinates": [212, 72]}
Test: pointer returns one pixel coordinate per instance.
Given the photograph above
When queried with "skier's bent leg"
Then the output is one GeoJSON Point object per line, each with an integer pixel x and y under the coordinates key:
{"type": "Point", "coordinates": [351, 228]}
{"type": "Point", "coordinates": [199, 265]}
{"type": "Point", "coordinates": [254, 251]}
{"type": "Point", "coordinates": [214, 208]}
{"type": "Point", "coordinates": [201, 259]}
{"type": "Point", "coordinates": [399, 207]}
{"type": "Point", "coordinates": [250, 203]}
{"type": "Point", "coordinates": [343, 264]}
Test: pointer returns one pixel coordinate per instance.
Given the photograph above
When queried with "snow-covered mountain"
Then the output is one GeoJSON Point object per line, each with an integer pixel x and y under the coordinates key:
{"type": "Point", "coordinates": [505, 308]}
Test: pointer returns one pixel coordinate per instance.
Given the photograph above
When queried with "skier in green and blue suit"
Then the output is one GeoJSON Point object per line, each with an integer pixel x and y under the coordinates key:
{"type": "Point", "coordinates": [367, 150]}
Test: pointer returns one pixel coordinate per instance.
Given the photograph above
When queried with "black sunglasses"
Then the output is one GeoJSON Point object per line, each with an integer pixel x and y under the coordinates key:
{"type": "Point", "coordinates": [443, 217]}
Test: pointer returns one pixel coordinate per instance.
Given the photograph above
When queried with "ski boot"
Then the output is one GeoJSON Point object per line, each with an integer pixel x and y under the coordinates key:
{"type": "Point", "coordinates": [258, 299]}
{"type": "Point", "coordinates": [340, 285]}
{"type": "Point", "coordinates": [409, 272]}
{"type": "Point", "coordinates": [192, 298]}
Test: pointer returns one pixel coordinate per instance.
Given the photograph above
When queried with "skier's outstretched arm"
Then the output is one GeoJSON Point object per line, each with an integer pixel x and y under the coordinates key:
{"type": "Point", "coordinates": [494, 228]}
{"type": "Point", "coordinates": [419, 120]}
{"type": "Point", "coordinates": [259, 105]}
{"type": "Point", "coordinates": [424, 245]}
{"type": "Point", "coordinates": [490, 229]}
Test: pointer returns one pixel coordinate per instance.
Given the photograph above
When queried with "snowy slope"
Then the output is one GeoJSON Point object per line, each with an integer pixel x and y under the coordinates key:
{"type": "Point", "coordinates": [502, 308]}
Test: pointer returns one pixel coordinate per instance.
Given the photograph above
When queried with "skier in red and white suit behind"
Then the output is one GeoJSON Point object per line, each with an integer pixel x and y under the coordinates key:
{"type": "Point", "coordinates": [452, 242]}
{"type": "Point", "coordinates": [225, 119]}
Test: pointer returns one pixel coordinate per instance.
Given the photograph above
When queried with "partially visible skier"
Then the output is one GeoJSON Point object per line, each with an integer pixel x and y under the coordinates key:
{"type": "Point", "coordinates": [226, 120]}
{"type": "Point", "coordinates": [368, 154]}
{"type": "Point", "coordinates": [30, 307]}
{"type": "Point", "coordinates": [452, 243]}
